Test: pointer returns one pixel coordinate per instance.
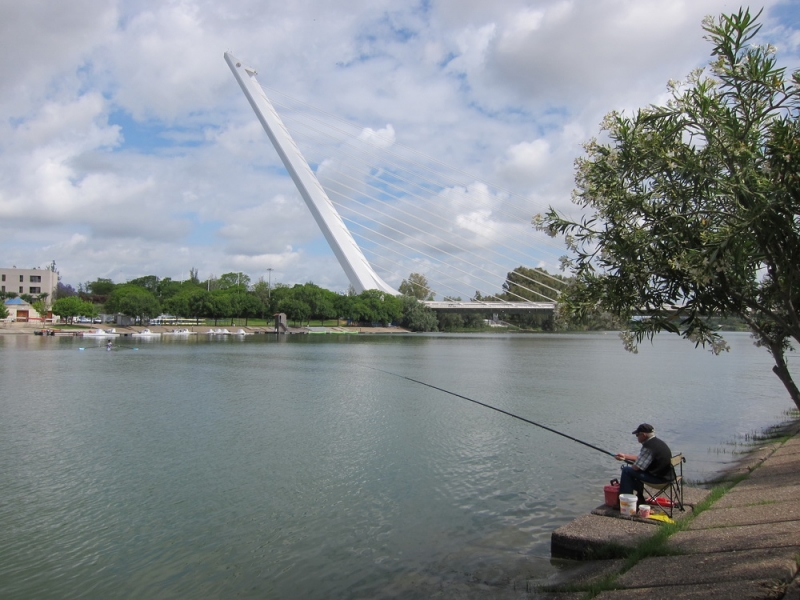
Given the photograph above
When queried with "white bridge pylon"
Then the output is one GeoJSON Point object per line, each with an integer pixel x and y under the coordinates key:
{"type": "Point", "coordinates": [360, 273]}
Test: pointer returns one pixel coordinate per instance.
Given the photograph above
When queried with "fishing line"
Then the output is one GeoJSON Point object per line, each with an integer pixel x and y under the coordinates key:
{"type": "Point", "coordinates": [500, 410]}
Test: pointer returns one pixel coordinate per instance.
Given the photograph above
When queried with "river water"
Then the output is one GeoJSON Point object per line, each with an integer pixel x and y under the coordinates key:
{"type": "Point", "coordinates": [297, 468]}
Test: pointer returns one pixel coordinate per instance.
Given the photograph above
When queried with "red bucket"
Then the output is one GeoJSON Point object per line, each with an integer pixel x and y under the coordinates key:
{"type": "Point", "coordinates": [612, 495]}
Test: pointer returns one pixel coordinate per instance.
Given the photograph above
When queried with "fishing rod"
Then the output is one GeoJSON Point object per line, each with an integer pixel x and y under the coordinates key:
{"type": "Point", "coordinates": [500, 410]}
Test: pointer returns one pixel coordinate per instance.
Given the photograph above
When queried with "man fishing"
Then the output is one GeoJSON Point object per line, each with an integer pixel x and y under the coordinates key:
{"type": "Point", "coordinates": [651, 466]}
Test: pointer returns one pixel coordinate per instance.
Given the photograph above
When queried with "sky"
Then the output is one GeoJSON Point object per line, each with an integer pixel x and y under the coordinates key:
{"type": "Point", "coordinates": [127, 148]}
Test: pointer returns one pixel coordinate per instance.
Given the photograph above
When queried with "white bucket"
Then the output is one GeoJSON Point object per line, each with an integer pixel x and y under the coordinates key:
{"type": "Point", "coordinates": [627, 504]}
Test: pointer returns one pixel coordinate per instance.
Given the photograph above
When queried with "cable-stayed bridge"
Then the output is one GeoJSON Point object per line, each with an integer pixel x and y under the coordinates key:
{"type": "Point", "coordinates": [387, 211]}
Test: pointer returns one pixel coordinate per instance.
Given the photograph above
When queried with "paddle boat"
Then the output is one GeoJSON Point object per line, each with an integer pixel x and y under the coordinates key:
{"type": "Point", "coordinates": [180, 332]}
{"type": "Point", "coordinates": [100, 333]}
{"type": "Point", "coordinates": [146, 333]}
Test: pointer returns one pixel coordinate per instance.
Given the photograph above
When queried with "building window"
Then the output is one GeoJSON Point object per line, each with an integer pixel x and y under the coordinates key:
{"type": "Point", "coordinates": [35, 290]}
{"type": "Point", "coordinates": [20, 289]}
{"type": "Point", "coordinates": [4, 289]}
{"type": "Point", "coordinates": [21, 278]}
{"type": "Point", "coordinates": [4, 276]}
{"type": "Point", "coordinates": [36, 279]}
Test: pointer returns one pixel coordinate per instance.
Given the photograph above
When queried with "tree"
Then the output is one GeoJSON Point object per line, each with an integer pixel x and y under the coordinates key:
{"type": "Point", "coordinates": [167, 288]}
{"type": "Point", "coordinates": [71, 307]}
{"type": "Point", "coordinates": [450, 321]}
{"type": "Point", "coordinates": [148, 282]}
{"type": "Point", "coordinates": [319, 301]}
{"type": "Point", "coordinates": [201, 304]}
{"type": "Point", "coordinates": [234, 280]}
{"type": "Point", "coordinates": [295, 309]}
{"type": "Point", "coordinates": [536, 285]}
{"type": "Point", "coordinates": [134, 301]}
{"type": "Point", "coordinates": [417, 286]}
{"type": "Point", "coordinates": [416, 316]}
{"type": "Point", "coordinates": [346, 307]}
{"type": "Point", "coordinates": [101, 287]}
{"type": "Point", "coordinates": [41, 307]}
{"type": "Point", "coordinates": [220, 306]}
{"type": "Point", "coordinates": [693, 206]}
{"type": "Point", "coordinates": [178, 305]}
{"type": "Point", "coordinates": [262, 291]}
{"type": "Point", "coordinates": [380, 307]}
{"type": "Point", "coordinates": [3, 312]}
{"type": "Point", "coordinates": [250, 307]}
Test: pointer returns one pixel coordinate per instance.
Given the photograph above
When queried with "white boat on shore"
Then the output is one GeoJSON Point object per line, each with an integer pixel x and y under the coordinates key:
{"type": "Point", "coordinates": [241, 331]}
{"type": "Point", "coordinates": [180, 332]}
{"type": "Point", "coordinates": [213, 331]}
{"type": "Point", "coordinates": [100, 333]}
{"type": "Point", "coordinates": [146, 333]}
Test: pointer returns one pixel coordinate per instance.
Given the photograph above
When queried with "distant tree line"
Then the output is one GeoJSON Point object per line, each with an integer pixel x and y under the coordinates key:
{"type": "Point", "coordinates": [234, 296]}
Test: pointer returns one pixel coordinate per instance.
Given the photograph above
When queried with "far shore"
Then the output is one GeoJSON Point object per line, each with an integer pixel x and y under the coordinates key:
{"type": "Point", "coordinates": [77, 330]}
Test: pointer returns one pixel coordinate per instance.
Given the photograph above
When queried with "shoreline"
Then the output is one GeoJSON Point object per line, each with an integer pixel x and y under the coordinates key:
{"type": "Point", "coordinates": [736, 515]}
{"type": "Point", "coordinates": [760, 450]}
{"type": "Point", "coordinates": [129, 330]}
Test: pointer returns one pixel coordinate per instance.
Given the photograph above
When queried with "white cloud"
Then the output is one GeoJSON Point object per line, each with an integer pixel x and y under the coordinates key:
{"type": "Point", "coordinates": [127, 149]}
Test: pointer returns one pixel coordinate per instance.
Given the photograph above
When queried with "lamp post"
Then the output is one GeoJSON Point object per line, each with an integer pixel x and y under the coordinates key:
{"type": "Point", "coordinates": [269, 283]}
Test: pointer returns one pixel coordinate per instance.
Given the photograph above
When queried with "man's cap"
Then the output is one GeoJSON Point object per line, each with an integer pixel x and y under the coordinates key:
{"type": "Point", "coordinates": [644, 428]}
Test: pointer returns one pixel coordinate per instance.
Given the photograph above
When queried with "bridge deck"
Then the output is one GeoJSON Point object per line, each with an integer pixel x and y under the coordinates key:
{"type": "Point", "coordinates": [494, 307]}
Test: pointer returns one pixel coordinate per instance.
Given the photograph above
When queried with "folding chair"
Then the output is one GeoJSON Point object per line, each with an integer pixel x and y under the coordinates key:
{"type": "Point", "coordinates": [668, 496]}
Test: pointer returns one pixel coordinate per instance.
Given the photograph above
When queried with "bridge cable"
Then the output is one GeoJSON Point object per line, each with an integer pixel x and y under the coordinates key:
{"type": "Point", "coordinates": [349, 142]}
{"type": "Point", "coordinates": [437, 237]}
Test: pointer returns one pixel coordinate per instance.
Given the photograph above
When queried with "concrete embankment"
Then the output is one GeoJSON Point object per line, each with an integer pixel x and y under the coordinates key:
{"type": "Point", "coordinates": [745, 544]}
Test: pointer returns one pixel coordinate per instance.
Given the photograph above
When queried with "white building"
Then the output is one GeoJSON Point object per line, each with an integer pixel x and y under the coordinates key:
{"type": "Point", "coordinates": [29, 281]}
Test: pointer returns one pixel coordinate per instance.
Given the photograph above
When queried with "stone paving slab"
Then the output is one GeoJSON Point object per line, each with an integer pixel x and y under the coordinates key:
{"type": "Point", "coordinates": [767, 483]}
{"type": "Point", "coordinates": [747, 590]}
{"type": "Point", "coordinates": [780, 458]}
{"type": "Point", "coordinates": [793, 441]}
{"type": "Point", "coordinates": [752, 495]}
{"type": "Point", "coordinates": [728, 539]}
{"type": "Point", "coordinates": [784, 470]}
{"type": "Point", "coordinates": [579, 538]}
{"type": "Point", "coordinates": [747, 515]}
{"type": "Point", "coordinates": [774, 564]}
{"type": "Point", "coordinates": [791, 446]}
